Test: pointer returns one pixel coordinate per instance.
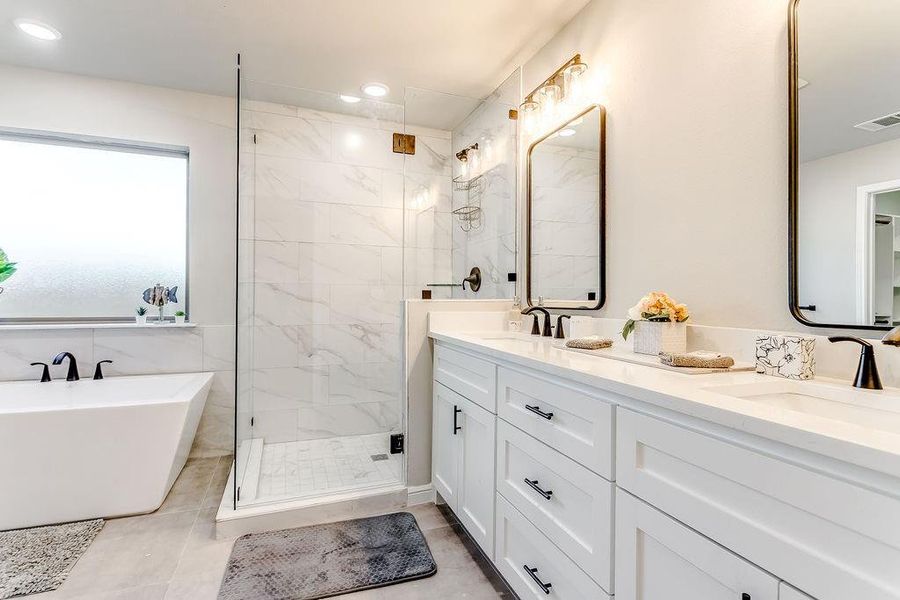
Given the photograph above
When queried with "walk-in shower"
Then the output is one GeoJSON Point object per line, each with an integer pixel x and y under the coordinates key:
{"type": "Point", "coordinates": [335, 229]}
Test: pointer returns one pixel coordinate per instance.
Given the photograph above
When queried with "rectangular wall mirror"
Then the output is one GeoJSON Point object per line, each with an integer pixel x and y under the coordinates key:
{"type": "Point", "coordinates": [565, 214]}
{"type": "Point", "coordinates": [845, 163]}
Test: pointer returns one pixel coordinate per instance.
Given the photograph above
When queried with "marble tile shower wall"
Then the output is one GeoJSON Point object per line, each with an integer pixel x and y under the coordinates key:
{"type": "Point", "coordinates": [566, 215]}
{"type": "Point", "coordinates": [492, 245]}
{"type": "Point", "coordinates": [325, 225]}
{"type": "Point", "coordinates": [144, 351]}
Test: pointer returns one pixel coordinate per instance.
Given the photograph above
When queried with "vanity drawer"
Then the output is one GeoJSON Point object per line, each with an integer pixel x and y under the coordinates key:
{"type": "Point", "coordinates": [829, 537]}
{"type": "Point", "coordinates": [577, 515]}
{"type": "Point", "coordinates": [520, 547]}
{"type": "Point", "coordinates": [472, 377]}
{"type": "Point", "coordinates": [573, 420]}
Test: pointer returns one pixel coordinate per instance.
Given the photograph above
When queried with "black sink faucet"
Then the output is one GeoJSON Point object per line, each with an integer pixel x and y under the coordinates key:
{"type": "Point", "coordinates": [72, 375]}
{"type": "Point", "coordinates": [867, 372]}
{"type": "Point", "coordinates": [548, 324]}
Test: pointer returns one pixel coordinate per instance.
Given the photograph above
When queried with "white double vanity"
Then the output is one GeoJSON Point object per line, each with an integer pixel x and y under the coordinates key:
{"type": "Point", "coordinates": [584, 477]}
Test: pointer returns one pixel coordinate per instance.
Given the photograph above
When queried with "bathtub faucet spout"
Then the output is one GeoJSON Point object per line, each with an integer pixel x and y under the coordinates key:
{"type": "Point", "coordinates": [72, 375]}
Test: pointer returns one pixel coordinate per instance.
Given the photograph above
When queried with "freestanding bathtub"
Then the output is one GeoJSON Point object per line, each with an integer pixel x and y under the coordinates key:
{"type": "Point", "coordinates": [87, 449]}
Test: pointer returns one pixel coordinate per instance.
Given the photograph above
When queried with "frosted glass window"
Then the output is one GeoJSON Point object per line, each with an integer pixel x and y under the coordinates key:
{"type": "Point", "coordinates": [90, 227]}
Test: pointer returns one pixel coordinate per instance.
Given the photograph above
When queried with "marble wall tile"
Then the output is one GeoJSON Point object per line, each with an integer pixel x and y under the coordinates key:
{"type": "Point", "coordinates": [276, 262]}
{"type": "Point", "coordinates": [392, 189]}
{"type": "Point", "coordinates": [20, 348]}
{"type": "Point", "coordinates": [147, 351]}
{"type": "Point", "coordinates": [291, 304]}
{"type": "Point", "coordinates": [363, 382]}
{"type": "Point", "coordinates": [276, 389]}
{"type": "Point", "coordinates": [275, 346]}
{"type": "Point", "coordinates": [346, 264]}
{"type": "Point", "coordinates": [432, 156]}
{"type": "Point", "coordinates": [273, 177]}
{"type": "Point", "coordinates": [424, 190]}
{"type": "Point", "coordinates": [279, 425]}
{"type": "Point", "coordinates": [286, 136]}
{"type": "Point", "coordinates": [365, 303]}
{"type": "Point", "coordinates": [282, 221]}
{"type": "Point", "coordinates": [218, 348]}
{"type": "Point", "coordinates": [391, 266]}
{"type": "Point", "coordinates": [340, 184]}
{"type": "Point", "coordinates": [332, 344]}
{"type": "Point", "coordinates": [365, 147]}
{"type": "Point", "coordinates": [350, 419]}
{"type": "Point", "coordinates": [374, 226]}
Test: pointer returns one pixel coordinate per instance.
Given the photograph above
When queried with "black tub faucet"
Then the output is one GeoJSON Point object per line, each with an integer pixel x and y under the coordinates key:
{"type": "Point", "coordinates": [72, 375]}
{"type": "Point", "coordinates": [98, 370]}
{"type": "Point", "coordinates": [548, 324]}
{"type": "Point", "coordinates": [867, 372]}
{"type": "Point", "coordinates": [45, 375]}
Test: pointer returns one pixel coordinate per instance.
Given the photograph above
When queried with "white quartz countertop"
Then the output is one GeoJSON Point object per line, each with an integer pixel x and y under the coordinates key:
{"type": "Point", "coordinates": [877, 449]}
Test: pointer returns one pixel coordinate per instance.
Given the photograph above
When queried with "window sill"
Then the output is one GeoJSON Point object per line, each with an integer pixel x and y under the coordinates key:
{"type": "Point", "coordinates": [123, 325]}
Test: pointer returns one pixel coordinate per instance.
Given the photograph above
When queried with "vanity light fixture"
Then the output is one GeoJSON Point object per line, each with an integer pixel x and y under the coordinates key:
{"type": "Point", "coordinates": [564, 87]}
{"type": "Point", "coordinates": [38, 30]}
{"type": "Point", "coordinates": [350, 99]}
{"type": "Point", "coordinates": [375, 89]}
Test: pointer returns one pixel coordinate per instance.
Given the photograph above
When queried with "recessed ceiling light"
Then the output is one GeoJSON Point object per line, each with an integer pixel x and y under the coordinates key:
{"type": "Point", "coordinates": [38, 30]}
{"type": "Point", "coordinates": [375, 89]}
{"type": "Point", "coordinates": [567, 132]}
{"type": "Point", "coordinates": [350, 99]}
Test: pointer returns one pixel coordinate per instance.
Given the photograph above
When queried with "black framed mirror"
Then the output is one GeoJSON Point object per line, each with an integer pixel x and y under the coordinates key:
{"type": "Point", "coordinates": [844, 164]}
{"type": "Point", "coordinates": [566, 214]}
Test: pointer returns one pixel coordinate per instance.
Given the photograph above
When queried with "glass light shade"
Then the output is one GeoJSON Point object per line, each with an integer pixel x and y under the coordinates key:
{"type": "Point", "coordinates": [530, 112]}
{"type": "Point", "coordinates": [573, 83]}
{"type": "Point", "coordinates": [549, 97]}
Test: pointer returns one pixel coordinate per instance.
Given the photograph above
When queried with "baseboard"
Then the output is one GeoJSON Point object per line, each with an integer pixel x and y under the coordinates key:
{"type": "Point", "coordinates": [420, 494]}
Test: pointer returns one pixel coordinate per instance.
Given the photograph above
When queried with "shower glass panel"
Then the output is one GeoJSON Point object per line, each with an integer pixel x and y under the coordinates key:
{"type": "Point", "coordinates": [461, 192]}
{"type": "Point", "coordinates": [320, 265]}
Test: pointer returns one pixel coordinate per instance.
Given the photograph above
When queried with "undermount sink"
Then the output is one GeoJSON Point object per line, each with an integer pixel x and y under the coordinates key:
{"type": "Point", "coordinates": [867, 408]}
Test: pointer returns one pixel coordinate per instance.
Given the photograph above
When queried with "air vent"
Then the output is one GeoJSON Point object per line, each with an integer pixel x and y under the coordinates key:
{"type": "Point", "coordinates": [880, 123]}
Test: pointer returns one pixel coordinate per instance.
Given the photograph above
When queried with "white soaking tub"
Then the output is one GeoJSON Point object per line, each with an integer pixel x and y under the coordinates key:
{"type": "Point", "coordinates": [87, 449]}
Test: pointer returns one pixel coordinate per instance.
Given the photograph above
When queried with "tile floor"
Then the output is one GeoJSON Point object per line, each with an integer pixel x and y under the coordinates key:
{"type": "Point", "coordinates": [172, 554]}
{"type": "Point", "coordinates": [331, 465]}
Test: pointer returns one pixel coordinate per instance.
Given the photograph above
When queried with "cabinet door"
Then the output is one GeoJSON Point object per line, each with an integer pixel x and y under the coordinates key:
{"type": "Point", "coordinates": [445, 443]}
{"type": "Point", "coordinates": [476, 471]}
{"type": "Point", "coordinates": [658, 558]}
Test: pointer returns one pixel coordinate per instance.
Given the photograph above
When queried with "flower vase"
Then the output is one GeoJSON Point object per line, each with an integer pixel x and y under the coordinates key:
{"type": "Point", "coordinates": [653, 337]}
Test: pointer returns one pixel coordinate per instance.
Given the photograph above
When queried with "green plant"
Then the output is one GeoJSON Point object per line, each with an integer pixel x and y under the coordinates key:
{"type": "Point", "coordinates": [6, 268]}
{"type": "Point", "coordinates": [140, 311]}
{"type": "Point", "coordinates": [179, 313]}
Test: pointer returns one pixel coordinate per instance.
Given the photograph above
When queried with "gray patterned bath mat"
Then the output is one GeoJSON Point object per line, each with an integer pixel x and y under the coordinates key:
{"type": "Point", "coordinates": [39, 559]}
{"type": "Point", "coordinates": [325, 560]}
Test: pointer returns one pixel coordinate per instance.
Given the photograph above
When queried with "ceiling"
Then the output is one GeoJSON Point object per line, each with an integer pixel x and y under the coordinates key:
{"type": "Point", "coordinates": [848, 51]}
{"type": "Point", "coordinates": [464, 47]}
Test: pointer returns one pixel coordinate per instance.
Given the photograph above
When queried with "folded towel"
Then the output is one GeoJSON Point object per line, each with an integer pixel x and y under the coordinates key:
{"type": "Point", "coordinates": [698, 359]}
{"type": "Point", "coordinates": [591, 342]}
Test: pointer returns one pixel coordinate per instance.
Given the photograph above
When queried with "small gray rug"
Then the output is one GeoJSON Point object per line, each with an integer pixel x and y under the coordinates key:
{"type": "Point", "coordinates": [325, 560]}
{"type": "Point", "coordinates": [39, 559]}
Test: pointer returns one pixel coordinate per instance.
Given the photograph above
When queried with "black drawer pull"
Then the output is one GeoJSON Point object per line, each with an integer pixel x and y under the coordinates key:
{"type": "Point", "coordinates": [747, 596]}
{"type": "Point", "coordinates": [537, 410]}
{"type": "Point", "coordinates": [533, 572]}
{"type": "Point", "coordinates": [456, 411]}
{"type": "Point", "coordinates": [534, 485]}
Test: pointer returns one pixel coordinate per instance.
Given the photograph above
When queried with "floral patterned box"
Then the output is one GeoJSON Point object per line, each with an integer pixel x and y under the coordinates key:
{"type": "Point", "coordinates": [790, 356]}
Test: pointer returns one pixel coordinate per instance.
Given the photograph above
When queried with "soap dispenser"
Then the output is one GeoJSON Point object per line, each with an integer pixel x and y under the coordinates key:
{"type": "Point", "coordinates": [514, 316]}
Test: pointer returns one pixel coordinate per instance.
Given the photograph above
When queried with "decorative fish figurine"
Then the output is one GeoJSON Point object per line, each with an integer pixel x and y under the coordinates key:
{"type": "Point", "coordinates": [160, 295]}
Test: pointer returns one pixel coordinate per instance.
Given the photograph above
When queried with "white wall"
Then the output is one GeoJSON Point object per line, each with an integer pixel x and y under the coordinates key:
{"type": "Point", "coordinates": [827, 233]}
{"type": "Point", "coordinates": [696, 151]}
{"type": "Point", "coordinates": [42, 100]}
